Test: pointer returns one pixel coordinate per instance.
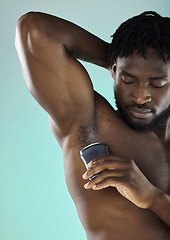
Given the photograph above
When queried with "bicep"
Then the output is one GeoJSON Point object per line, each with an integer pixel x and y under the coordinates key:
{"type": "Point", "coordinates": [58, 82]}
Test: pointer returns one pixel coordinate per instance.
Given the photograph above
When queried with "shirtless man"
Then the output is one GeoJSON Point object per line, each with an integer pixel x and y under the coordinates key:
{"type": "Point", "coordinates": [129, 198]}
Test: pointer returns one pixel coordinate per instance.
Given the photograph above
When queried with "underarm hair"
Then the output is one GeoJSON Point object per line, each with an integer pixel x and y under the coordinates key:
{"type": "Point", "coordinates": [87, 134]}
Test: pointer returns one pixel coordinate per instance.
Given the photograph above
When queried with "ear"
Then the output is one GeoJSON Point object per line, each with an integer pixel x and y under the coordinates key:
{"type": "Point", "coordinates": [113, 70]}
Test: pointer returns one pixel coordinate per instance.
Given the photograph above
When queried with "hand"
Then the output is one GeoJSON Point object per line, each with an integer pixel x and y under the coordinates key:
{"type": "Point", "coordinates": [123, 174]}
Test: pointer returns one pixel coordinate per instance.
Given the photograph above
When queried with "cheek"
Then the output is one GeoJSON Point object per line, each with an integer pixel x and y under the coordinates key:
{"type": "Point", "coordinates": [118, 86]}
{"type": "Point", "coordinates": [122, 93]}
{"type": "Point", "coordinates": [162, 99]}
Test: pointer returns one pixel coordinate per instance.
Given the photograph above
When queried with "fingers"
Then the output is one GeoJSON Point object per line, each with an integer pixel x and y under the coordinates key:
{"type": "Point", "coordinates": [106, 179]}
{"type": "Point", "coordinates": [111, 171]}
{"type": "Point", "coordinates": [103, 164]}
{"type": "Point", "coordinates": [108, 158]}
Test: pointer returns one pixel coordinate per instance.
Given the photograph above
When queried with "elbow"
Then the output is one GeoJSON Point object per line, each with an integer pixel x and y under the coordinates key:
{"type": "Point", "coordinates": [28, 32]}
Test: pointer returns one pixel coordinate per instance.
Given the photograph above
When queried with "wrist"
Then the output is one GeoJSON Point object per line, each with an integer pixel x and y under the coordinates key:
{"type": "Point", "coordinates": [158, 199]}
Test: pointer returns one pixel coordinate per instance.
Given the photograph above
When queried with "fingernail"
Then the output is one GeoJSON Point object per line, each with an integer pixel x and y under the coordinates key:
{"type": "Point", "coordinates": [86, 185]}
{"type": "Point", "coordinates": [94, 187]}
{"type": "Point", "coordinates": [89, 164]}
{"type": "Point", "coordinates": [84, 175]}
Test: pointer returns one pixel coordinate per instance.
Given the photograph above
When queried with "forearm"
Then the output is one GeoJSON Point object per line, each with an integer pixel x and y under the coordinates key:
{"type": "Point", "coordinates": [78, 42]}
{"type": "Point", "coordinates": [161, 207]}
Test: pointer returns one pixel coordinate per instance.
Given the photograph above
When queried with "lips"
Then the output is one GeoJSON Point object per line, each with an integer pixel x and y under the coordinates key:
{"type": "Point", "coordinates": [141, 113]}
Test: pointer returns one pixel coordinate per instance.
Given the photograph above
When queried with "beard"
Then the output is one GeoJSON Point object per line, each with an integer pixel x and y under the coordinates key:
{"type": "Point", "coordinates": [157, 121]}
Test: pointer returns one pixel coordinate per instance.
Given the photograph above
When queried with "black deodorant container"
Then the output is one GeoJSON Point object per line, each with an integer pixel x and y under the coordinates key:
{"type": "Point", "coordinates": [93, 151]}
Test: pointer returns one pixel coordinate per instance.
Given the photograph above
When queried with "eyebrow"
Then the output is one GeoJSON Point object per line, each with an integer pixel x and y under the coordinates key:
{"type": "Point", "coordinates": [159, 78]}
{"type": "Point", "coordinates": [151, 78]}
{"type": "Point", "coordinates": [128, 74]}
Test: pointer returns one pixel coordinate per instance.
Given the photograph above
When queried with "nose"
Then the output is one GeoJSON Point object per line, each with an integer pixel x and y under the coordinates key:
{"type": "Point", "coordinates": [141, 95]}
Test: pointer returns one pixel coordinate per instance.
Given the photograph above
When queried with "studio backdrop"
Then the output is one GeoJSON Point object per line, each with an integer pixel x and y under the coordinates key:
{"type": "Point", "coordinates": [34, 200]}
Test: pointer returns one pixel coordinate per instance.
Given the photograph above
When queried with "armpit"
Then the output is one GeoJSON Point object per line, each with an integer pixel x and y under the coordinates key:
{"type": "Point", "coordinates": [87, 134]}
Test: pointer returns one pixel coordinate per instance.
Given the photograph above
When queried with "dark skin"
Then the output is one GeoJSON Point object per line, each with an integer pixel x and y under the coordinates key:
{"type": "Point", "coordinates": [129, 199]}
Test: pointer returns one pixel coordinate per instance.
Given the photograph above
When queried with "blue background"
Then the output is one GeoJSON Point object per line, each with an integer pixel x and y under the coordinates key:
{"type": "Point", "coordinates": [34, 200]}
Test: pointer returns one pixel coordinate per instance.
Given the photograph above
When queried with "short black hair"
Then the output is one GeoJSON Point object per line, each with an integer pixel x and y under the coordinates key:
{"type": "Point", "coordinates": [147, 30]}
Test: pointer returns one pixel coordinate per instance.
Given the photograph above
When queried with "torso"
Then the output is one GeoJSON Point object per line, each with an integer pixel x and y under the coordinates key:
{"type": "Point", "coordinates": [105, 214]}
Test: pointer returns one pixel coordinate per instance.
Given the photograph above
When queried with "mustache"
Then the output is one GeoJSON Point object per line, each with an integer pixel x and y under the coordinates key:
{"type": "Point", "coordinates": [140, 106]}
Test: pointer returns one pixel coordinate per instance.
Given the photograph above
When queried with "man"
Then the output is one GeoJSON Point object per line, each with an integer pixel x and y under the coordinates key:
{"type": "Point", "coordinates": [129, 198]}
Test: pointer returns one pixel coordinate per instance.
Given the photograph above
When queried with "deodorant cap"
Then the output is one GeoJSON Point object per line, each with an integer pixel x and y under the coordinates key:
{"type": "Point", "coordinates": [93, 151]}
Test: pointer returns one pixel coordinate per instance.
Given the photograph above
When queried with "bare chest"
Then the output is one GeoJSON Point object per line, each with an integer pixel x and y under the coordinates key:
{"type": "Point", "coordinates": [150, 154]}
{"type": "Point", "coordinates": [99, 210]}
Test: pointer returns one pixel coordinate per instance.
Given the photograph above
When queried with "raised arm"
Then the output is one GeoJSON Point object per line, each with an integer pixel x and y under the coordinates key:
{"type": "Point", "coordinates": [48, 47]}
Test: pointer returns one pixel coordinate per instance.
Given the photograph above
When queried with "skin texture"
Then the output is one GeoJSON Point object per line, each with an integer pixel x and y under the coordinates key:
{"type": "Point", "coordinates": [129, 198]}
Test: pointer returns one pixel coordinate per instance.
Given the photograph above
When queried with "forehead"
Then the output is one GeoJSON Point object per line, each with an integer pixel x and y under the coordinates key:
{"type": "Point", "coordinates": [153, 64]}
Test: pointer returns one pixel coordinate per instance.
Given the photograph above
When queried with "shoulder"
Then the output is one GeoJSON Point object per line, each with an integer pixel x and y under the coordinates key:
{"type": "Point", "coordinates": [105, 113]}
{"type": "Point", "coordinates": [102, 105]}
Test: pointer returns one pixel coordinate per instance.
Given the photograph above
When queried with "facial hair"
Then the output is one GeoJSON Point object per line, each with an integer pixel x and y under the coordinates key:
{"type": "Point", "coordinates": [157, 121]}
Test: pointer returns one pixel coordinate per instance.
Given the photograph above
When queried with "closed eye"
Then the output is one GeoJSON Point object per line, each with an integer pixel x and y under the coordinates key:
{"type": "Point", "coordinates": [158, 83]}
{"type": "Point", "coordinates": [127, 80]}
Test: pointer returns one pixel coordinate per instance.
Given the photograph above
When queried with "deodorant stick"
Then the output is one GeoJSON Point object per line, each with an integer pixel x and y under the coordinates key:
{"type": "Point", "coordinates": [93, 151]}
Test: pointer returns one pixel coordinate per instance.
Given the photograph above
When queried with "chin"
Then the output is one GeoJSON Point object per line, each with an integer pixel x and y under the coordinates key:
{"type": "Point", "coordinates": [144, 124]}
{"type": "Point", "coordinates": [139, 127]}
{"type": "Point", "coordinates": [140, 124]}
